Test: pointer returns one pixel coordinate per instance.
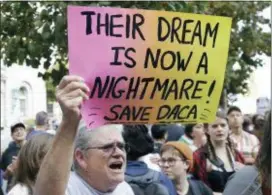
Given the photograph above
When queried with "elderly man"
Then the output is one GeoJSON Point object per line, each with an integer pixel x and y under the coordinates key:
{"type": "Point", "coordinates": [99, 154]}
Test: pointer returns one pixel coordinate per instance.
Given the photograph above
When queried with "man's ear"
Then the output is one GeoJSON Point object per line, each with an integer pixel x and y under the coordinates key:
{"type": "Point", "coordinates": [80, 158]}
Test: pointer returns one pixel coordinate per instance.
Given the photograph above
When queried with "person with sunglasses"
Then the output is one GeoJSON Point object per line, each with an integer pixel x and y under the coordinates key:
{"type": "Point", "coordinates": [99, 154]}
{"type": "Point", "coordinates": [176, 162]}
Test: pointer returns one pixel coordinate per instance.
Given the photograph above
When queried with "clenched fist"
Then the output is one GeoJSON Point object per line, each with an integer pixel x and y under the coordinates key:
{"type": "Point", "coordinates": [70, 94]}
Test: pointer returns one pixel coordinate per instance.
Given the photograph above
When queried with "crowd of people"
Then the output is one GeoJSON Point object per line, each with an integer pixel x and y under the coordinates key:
{"type": "Point", "coordinates": [229, 156]}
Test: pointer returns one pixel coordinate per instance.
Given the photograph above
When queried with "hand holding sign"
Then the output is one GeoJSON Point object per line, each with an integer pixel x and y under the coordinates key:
{"type": "Point", "coordinates": [148, 66]}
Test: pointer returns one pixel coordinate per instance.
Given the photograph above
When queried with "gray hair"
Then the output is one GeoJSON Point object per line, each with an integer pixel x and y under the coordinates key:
{"type": "Point", "coordinates": [41, 118]}
{"type": "Point", "coordinates": [85, 137]}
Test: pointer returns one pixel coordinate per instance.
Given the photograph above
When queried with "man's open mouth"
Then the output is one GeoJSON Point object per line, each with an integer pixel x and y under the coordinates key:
{"type": "Point", "coordinates": [116, 165]}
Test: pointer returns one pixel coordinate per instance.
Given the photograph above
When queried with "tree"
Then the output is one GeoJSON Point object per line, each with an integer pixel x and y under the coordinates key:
{"type": "Point", "coordinates": [35, 33]}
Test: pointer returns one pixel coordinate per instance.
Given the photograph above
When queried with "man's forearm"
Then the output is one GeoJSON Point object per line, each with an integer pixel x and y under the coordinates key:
{"type": "Point", "coordinates": [55, 169]}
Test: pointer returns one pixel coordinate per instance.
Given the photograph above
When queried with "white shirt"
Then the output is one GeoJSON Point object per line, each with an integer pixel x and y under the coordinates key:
{"type": "Point", "coordinates": [77, 186]}
{"type": "Point", "coordinates": [248, 145]}
{"type": "Point", "coordinates": [150, 165]}
{"type": "Point", "coordinates": [19, 189]}
{"type": "Point", "coordinates": [51, 131]}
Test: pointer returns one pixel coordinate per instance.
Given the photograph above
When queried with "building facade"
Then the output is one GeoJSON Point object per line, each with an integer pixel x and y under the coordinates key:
{"type": "Point", "coordinates": [23, 94]}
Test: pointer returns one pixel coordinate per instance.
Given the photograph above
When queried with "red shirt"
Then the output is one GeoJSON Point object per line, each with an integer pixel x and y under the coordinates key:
{"type": "Point", "coordinates": [200, 157]}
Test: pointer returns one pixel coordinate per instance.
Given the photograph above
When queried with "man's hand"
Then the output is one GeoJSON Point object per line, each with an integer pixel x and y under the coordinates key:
{"type": "Point", "coordinates": [70, 94]}
{"type": "Point", "coordinates": [11, 168]}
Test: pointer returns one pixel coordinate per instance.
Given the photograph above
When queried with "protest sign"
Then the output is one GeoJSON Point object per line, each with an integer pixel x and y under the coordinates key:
{"type": "Point", "coordinates": [147, 67]}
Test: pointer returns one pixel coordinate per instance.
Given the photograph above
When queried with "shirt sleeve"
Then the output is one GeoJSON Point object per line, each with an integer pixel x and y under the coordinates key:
{"type": "Point", "coordinates": [3, 163]}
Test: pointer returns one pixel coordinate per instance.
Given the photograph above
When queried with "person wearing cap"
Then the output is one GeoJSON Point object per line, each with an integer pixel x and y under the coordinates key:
{"type": "Point", "coordinates": [176, 162]}
{"type": "Point", "coordinates": [7, 164]}
{"type": "Point", "coordinates": [246, 143]}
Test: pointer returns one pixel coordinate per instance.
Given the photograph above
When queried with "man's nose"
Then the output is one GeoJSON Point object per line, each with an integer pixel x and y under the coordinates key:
{"type": "Point", "coordinates": [118, 152]}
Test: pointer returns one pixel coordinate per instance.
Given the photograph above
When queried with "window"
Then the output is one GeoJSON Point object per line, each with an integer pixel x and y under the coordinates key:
{"type": "Point", "coordinates": [23, 98]}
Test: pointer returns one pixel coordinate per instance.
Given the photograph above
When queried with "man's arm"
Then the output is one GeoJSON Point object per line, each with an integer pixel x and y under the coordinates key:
{"type": "Point", "coordinates": [55, 169]}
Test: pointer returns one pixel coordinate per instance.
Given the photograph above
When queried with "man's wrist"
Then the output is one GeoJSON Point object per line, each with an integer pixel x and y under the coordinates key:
{"type": "Point", "coordinates": [68, 129]}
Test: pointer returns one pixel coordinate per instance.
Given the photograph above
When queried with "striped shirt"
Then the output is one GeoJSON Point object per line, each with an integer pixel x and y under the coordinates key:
{"type": "Point", "coordinates": [248, 144]}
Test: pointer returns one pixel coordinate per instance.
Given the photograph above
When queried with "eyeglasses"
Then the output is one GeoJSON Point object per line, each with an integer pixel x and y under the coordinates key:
{"type": "Point", "coordinates": [111, 147]}
{"type": "Point", "coordinates": [170, 161]}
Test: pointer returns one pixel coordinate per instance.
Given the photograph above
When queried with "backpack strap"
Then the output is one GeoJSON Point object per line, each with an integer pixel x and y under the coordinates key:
{"type": "Point", "coordinates": [219, 163]}
{"type": "Point", "coordinates": [143, 180]}
{"type": "Point", "coordinates": [194, 186]}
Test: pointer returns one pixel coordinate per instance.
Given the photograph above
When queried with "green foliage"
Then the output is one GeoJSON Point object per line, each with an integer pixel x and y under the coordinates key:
{"type": "Point", "coordinates": [35, 33]}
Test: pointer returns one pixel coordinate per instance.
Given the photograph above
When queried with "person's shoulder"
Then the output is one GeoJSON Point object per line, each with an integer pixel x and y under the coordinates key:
{"type": "Point", "coordinates": [240, 180]}
{"type": "Point", "coordinates": [73, 178]}
{"type": "Point", "coordinates": [200, 152]}
{"type": "Point", "coordinates": [193, 180]}
{"type": "Point", "coordinates": [76, 186]}
{"type": "Point", "coordinates": [250, 136]}
{"type": "Point", "coordinates": [123, 188]}
{"type": "Point", "coordinates": [19, 189]}
{"type": "Point", "coordinates": [199, 186]}
{"type": "Point", "coordinates": [247, 170]}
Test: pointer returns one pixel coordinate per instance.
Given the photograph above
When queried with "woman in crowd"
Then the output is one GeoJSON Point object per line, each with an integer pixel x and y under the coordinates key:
{"type": "Point", "coordinates": [28, 164]}
{"type": "Point", "coordinates": [217, 160]}
{"type": "Point", "coordinates": [252, 180]}
{"type": "Point", "coordinates": [176, 160]}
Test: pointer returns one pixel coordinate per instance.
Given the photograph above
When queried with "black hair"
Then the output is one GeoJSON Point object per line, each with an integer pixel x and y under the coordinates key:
{"type": "Point", "coordinates": [254, 118]}
{"type": "Point", "coordinates": [12, 128]}
{"type": "Point", "coordinates": [246, 123]}
{"type": "Point", "coordinates": [234, 108]}
{"type": "Point", "coordinates": [188, 130]}
{"type": "Point", "coordinates": [158, 131]}
{"type": "Point", "coordinates": [263, 160]}
{"type": "Point", "coordinates": [138, 141]}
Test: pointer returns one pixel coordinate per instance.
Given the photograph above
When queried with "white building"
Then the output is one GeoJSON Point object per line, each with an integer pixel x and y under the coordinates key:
{"type": "Point", "coordinates": [23, 94]}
